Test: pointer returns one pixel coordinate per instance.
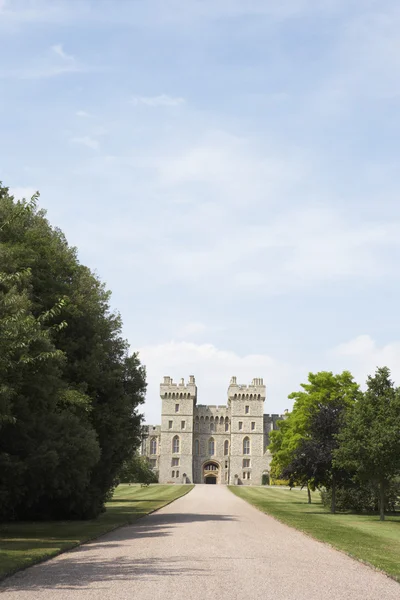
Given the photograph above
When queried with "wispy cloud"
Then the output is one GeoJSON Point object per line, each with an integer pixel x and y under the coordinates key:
{"type": "Point", "coordinates": [83, 114]}
{"type": "Point", "coordinates": [363, 355]}
{"type": "Point", "coordinates": [155, 101]}
{"type": "Point", "coordinates": [58, 49]}
{"type": "Point", "coordinates": [87, 141]}
{"type": "Point", "coordinates": [52, 64]}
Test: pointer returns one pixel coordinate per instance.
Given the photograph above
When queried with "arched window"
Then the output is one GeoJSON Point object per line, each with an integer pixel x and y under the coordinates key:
{"type": "Point", "coordinates": [196, 427]}
{"type": "Point", "coordinates": [211, 426]}
{"type": "Point", "coordinates": [246, 446]}
{"type": "Point", "coordinates": [175, 444]}
{"type": "Point", "coordinates": [226, 447]}
{"type": "Point", "coordinates": [226, 425]}
{"type": "Point", "coordinates": [196, 447]}
{"type": "Point", "coordinates": [211, 447]}
{"type": "Point", "coordinates": [153, 446]}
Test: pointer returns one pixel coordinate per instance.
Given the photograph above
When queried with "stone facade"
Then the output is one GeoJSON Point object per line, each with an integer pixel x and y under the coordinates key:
{"type": "Point", "coordinates": [210, 444]}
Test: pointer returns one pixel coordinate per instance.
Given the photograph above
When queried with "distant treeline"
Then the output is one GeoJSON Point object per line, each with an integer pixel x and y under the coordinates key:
{"type": "Point", "coordinates": [343, 441]}
{"type": "Point", "coordinates": [69, 390]}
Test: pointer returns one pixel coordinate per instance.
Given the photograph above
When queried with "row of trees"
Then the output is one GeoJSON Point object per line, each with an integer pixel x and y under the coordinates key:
{"type": "Point", "coordinates": [69, 390]}
{"type": "Point", "coordinates": [342, 440]}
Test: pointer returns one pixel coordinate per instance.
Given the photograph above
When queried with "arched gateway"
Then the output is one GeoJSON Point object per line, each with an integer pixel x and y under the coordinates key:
{"type": "Point", "coordinates": [211, 472]}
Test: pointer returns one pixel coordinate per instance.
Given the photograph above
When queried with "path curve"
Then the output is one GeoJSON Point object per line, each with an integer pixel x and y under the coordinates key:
{"type": "Point", "coordinates": [208, 544]}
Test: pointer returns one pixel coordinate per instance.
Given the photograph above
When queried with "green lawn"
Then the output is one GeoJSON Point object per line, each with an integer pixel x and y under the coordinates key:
{"type": "Point", "coordinates": [362, 536]}
{"type": "Point", "coordinates": [24, 543]}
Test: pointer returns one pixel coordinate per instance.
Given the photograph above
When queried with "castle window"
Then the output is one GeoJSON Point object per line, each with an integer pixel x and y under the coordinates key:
{"type": "Point", "coordinates": [226, 464]}
{"type": "Point", "coordinates": [175, 462]}
{"type": "Point", "coordinates": [177, 473]}
{"type": "Point", "coordinates": [247, 409]}
{"type": "Point", "coordinates": [196, 427]}
{"type": "Point", "coordinates": [196, 447]}
{"type": "Point", "coordinates": [253, 425]}
{"type": "Point", "coordinates": [153, 463]}
{"type": "Point", "coordinates": [246, 463]}
{"type": "Point", "coordinates": [226, 447]}
{"type": "Point", "coordinates": [211, 426]}
{"type": "Point", "coordinates": [246, 446]}
{"type": "Point", "coordinates": [170, 424]}
{"type": "Point", "coordinates": [240, 425]}
{"type": "Point", "coordinates": [226, 425]}
{"type": "Point", "coordinates": [153, 446]}
{"type": "Point", "coordinates": [175, 445]}
{"type": "Point", "coordinates": [173, 473]}
{"type": "Point", "coordinates": [183, 424]}
{"type": "Point", "coordinates": [176, 407]}
{"type": "Point", "coordinates": [211, 447]}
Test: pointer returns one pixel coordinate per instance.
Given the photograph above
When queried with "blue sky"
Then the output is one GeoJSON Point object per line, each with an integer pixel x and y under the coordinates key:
{"type": "Point", "coordinates": [230, 169]}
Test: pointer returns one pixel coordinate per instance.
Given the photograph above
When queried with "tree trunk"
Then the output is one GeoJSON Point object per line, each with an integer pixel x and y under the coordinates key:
{"type": "Point", "coordinates": [309, 494]}
{"type": "Point", "coordinates": [382, 500]}
{"type": "Point", "coordinates": [333, 500]}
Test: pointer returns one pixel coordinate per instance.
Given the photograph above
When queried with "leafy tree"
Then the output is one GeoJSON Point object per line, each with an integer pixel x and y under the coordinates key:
{"type": "Point", "coordinates": [369, 444]}
{"type": "Point", "coordinates": [288, 443]}
{"type": "Point", "coordinates": [77, 378]}
{"type": "Point", "coordinates": [137, 470]}
{"type": "Point", "coordinates": [313, 458]}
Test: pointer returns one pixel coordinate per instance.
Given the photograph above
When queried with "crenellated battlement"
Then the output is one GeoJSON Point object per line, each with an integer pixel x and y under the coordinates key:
{"type": "Point", "coordinates": [170, 389]}
{"type": "Point", "coordinates": [254, 391]}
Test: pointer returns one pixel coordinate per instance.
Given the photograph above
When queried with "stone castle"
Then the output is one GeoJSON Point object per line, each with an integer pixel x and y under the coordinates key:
{"type": "Point", "coordinates": [198, 443]}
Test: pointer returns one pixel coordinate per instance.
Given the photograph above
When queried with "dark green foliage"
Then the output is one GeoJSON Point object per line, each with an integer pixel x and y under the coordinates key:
{"type": "Point", "coordinates": [369, 444]}
{"type": "Point", "coordinates": [312, 461]}
{"type": "Point", "coordinates": [69, 391]}
{"type": "Point", "coordinates": [302, 447]}
{"type": "Point", "coordinates": [137, 470]}
{"type": "Point", "coordinates": [363, 497]}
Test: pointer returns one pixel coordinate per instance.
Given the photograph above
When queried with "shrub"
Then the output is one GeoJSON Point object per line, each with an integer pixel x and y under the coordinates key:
{"type": "Point", "coordinates": [362, 497]}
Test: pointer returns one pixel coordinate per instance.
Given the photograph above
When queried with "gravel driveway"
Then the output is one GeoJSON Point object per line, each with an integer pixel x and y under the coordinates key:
{"type": "Point", "coordinates": [208, 544]}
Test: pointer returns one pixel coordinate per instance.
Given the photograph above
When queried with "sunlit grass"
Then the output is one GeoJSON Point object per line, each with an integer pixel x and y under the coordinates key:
{"type": "Point", "coordinates": [362, 536]}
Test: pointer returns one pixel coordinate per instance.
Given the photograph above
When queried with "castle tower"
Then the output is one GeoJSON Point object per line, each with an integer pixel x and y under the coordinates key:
{"type": "Point", "coordinates": [176, 456]}
{"type": "Point", "coordinates": [246, 403]}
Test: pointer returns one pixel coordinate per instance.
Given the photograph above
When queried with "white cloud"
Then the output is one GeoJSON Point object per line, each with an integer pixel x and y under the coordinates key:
{"type": "Point", "coordinates": [363, 356]}
{"type": "Point", "coordinates": [83, 114]}
{"type": "Point", "coordinates": [213, 369]}
{"type": "Point", "coordinates": [87, 141]}
{"type": "Point", "coordinates": [155, 101]}
{"type": "Point", "coordinates": [58, 49]}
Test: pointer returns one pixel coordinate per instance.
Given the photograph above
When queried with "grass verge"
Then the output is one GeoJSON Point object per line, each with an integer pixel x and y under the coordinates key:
{"type": "Point", "coordinates": [363, 537]}
{"type": "Point", "coordinates": [23, 544]}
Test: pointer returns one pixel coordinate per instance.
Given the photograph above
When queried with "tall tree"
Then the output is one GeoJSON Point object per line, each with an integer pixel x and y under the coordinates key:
{"type": "Point", "coordinates": [313, 458]}
{"type": "Point", "coordinates": [94, 389]}
{"type": "Point", "coordinates": [324, 389]}
{"type": "Point", "coordinates": [369, 444]}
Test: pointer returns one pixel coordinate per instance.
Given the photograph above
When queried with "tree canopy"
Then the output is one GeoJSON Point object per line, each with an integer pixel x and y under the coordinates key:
{"type": "Point", "coordinates": [369, 444]}
{"type": "Point", "coordinates": [69, 389]}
